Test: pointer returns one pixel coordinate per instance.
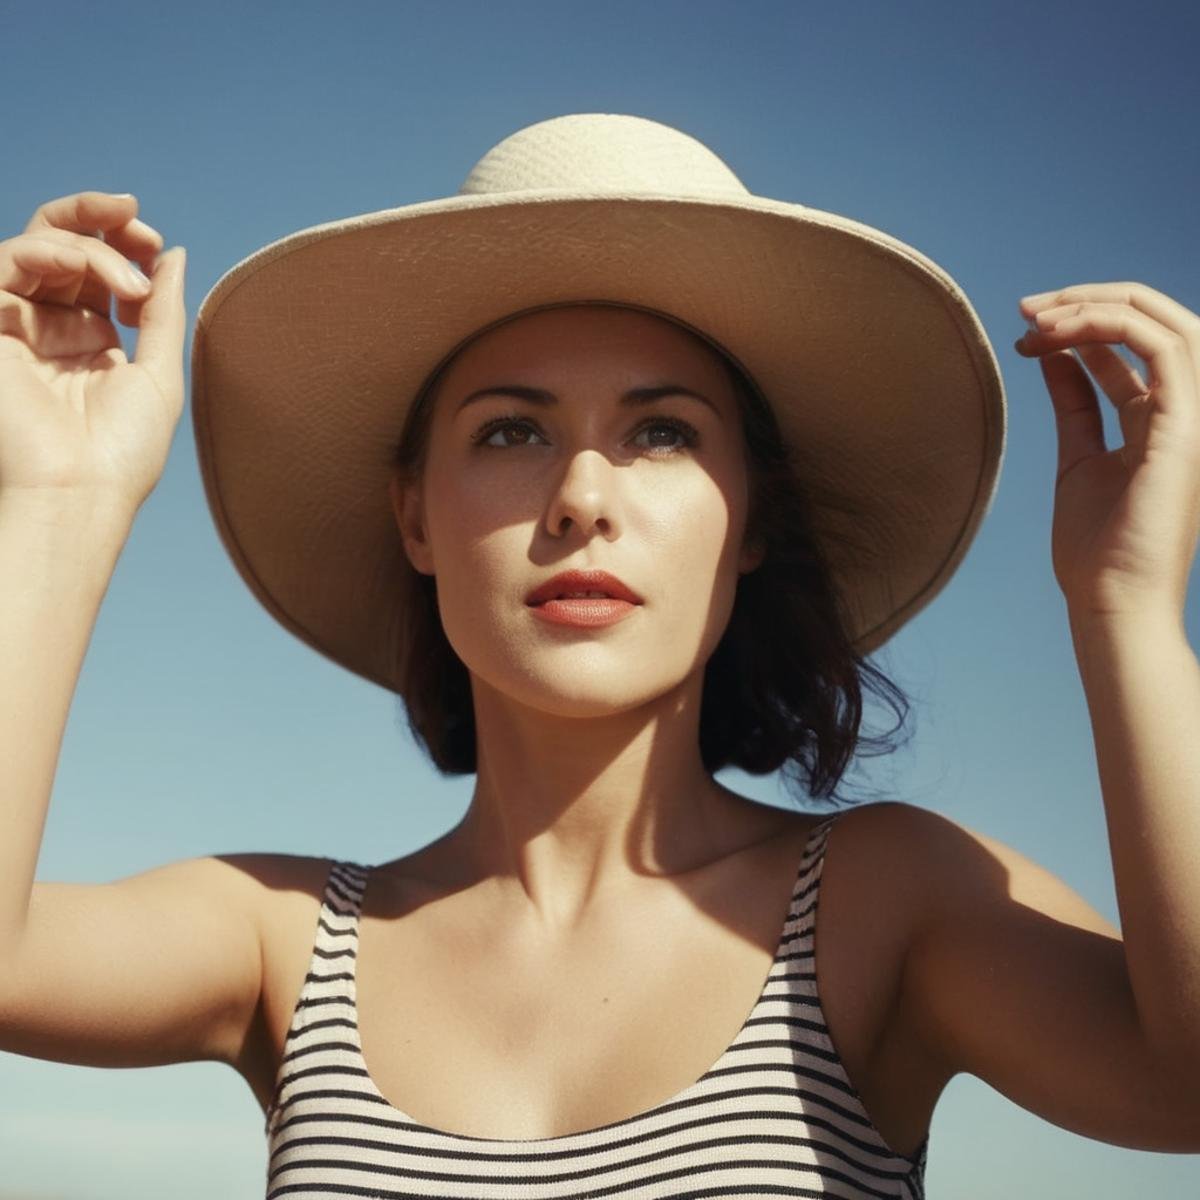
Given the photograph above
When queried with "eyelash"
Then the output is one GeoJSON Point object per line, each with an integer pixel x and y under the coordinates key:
{"type": "Point", "coordinates": [685, 430]}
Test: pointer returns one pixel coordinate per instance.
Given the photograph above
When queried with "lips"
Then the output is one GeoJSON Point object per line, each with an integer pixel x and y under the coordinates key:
{"type": "Point", "coordinates": [574, 582]}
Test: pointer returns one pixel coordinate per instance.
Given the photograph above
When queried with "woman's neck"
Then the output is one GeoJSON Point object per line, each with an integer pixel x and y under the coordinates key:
{"type": "Point", "coordinates": [567, 811]}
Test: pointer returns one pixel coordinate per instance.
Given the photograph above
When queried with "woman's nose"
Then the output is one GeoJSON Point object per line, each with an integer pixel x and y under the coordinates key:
{"type": "Point", "coordinates": [585, 495]}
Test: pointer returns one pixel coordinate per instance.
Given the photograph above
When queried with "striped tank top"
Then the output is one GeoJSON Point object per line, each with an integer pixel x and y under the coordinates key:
{"type": "Point", "coordinates": [775, 1115]}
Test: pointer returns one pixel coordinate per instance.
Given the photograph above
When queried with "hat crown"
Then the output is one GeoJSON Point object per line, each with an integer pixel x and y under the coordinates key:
{"type": "Point", "coordinates": [601, 152]}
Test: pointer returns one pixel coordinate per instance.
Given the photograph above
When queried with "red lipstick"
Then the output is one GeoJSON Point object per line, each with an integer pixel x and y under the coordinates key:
{"type": "Point", "coordinates": [561, 600]}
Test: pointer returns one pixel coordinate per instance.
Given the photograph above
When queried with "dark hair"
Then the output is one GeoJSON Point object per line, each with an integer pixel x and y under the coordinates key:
{"type": "Point", "coordinates": [791, 698]}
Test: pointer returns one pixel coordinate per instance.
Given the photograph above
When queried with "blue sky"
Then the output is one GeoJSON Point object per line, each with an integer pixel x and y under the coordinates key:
{"type": "Point", "coordinates": [1021, 146]}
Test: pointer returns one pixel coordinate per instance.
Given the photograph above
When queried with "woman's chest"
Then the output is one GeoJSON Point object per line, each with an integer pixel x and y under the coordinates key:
{"type": "Point", "coordinates": [466, 1031]}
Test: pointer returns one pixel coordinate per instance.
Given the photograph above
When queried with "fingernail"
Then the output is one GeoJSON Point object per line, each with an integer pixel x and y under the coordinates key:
{"type": "Point", "coordinates": [1036, 298]}
{"type": "Point", "coordinates": [137, 277]}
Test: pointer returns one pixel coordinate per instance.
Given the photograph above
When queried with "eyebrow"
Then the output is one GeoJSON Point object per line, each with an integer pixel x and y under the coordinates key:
{"type": "Point", "coordinates": [635, 396]}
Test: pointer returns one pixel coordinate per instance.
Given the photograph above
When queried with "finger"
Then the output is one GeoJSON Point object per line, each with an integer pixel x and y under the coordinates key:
{"type": "Point", "coordinates": [51, 331]}
{"type": "Point", "coordinates": [1118, 380]}
{"type": "Point", "coordinates": [136, 240]}
{"type": "Point", "coordinates": [129, 312]}
{"type": "Point", "coordinates": [105, 269]}
{"type": "Point", "coordinates": [1165, 353]}
{"type": "Point", "coordinates": [84, 212]}
{"type": "Point", "coordinates": [1146, 299]}
{"type": "Point", "coordinates": [163, 323]}
{"type": "Point", "coordinates": [143, 244]}
{"type": "Point", "coordinates": [27, 262]}
{"type": "Point", "coordinates": [111, 267]}
{"type": "Point", "coordinates": [1076, 409]}
{"type": "Point", "coordinates": [103, 216]}
{"type": "Point", "coordinates": [1122, 384]}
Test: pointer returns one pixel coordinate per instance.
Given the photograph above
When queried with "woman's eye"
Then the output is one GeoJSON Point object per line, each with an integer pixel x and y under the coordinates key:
{"type": "Point", "coordinates": [679, 434]}
{"type": "Point", "coordinates": [492, 428]}
{"type": "Point", "coordinates": [679, 429]}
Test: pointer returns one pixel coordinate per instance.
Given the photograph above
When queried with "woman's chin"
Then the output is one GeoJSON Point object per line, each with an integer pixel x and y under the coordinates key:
{"type": "Point", "coordinates": [581, 691]}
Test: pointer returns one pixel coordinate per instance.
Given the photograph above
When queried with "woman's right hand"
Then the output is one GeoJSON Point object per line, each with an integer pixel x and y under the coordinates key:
{"type": "Point", "coordinates": [77, 418]}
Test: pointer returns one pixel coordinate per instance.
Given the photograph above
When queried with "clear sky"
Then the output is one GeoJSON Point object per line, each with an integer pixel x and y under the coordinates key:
{"type": "Point", "coordinates": [1021, 146]}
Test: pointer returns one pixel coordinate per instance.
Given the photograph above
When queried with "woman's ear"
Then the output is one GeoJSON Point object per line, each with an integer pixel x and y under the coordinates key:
{"type": "Point", "coordinates": [410, 520]}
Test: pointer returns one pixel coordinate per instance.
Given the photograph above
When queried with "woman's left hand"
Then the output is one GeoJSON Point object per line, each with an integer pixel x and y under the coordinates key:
{"type": "Point", "coordinates": [1126, 520]}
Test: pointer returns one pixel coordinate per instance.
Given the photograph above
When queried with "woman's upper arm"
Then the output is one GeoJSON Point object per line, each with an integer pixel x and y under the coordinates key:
{"type": "Point", "coordinates": [1013, 977]}
{"type": "Point", "coordinates": [161, 967]}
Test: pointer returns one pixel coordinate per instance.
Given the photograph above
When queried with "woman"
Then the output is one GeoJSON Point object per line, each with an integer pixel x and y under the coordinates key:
{"type": "Point", "coordinates": [767, 436]}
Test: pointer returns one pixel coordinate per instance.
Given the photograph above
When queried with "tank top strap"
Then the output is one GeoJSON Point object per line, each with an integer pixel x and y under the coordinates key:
{"type": "Point", "coordinates": [341, 906]}
{"type": "Point", "coordinates": [819, 835]}
{"type": "Point", "coordinates": [803, 917]}
{"type": "Point", "coordinates": [325, 1008]}
{"type": "Point", "coordinates": [335, 942]}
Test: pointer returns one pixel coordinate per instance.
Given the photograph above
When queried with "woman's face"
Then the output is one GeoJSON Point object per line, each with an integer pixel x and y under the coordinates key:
{"type": "Point", "coordinates": [515, 491]}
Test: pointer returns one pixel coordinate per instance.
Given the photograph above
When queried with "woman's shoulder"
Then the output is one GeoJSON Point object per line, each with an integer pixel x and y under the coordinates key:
{"type": "Point", "coordinates": [916, 853]}
{"type": "Point", "coordinates": [889, 863]}
{"type": "Point", "coordinates": [878, 829]}
{"type": "Point", "coordinates": [276, 873]}
{"type": "Point", "coordinates": [288, 892]}
{"type": "Point", "coordinates": [937, 854]}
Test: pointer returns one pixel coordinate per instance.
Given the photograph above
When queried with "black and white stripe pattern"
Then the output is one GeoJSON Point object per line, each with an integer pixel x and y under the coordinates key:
{"type": "Point", "coordinates": [776, 1114]}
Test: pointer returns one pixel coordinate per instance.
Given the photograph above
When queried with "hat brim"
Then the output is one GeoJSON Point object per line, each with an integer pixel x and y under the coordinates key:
{"type": "Point", "coordinates": [308, 354]}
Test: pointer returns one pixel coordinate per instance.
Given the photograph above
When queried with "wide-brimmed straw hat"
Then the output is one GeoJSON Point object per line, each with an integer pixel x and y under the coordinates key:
{"type": "Point", "coordinates": [309, 353]}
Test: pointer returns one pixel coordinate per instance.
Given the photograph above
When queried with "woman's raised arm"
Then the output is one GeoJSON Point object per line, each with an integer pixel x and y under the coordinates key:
{"type": "Point", "coordinates": [166, 965]}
